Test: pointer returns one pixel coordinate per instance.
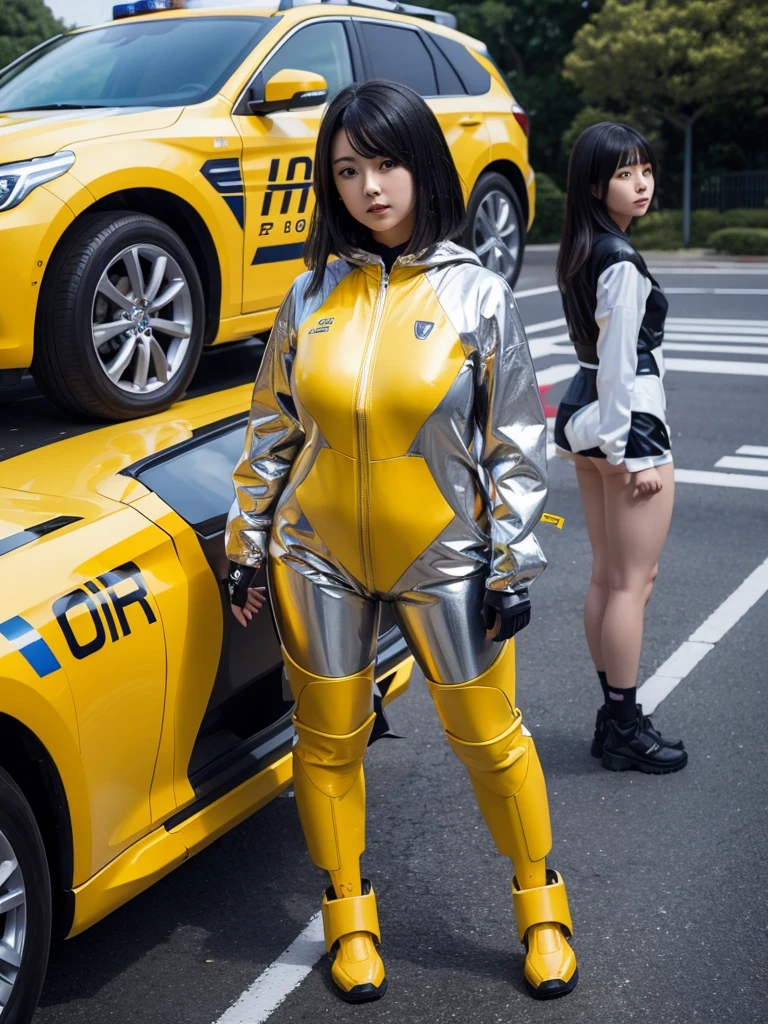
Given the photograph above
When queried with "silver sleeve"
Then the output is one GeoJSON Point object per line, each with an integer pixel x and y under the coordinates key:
{"type": "Point", "coordinates": [622, 292]}
{"type": "Point", "coordinates": [514, 445]}
{"type": "Point", "coordinates": [272, 440]}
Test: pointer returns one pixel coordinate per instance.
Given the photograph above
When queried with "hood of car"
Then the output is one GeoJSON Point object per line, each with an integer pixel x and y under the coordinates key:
{"type": "Point", "coordinates": [89, 467]}
{"type": "Point", "coordinates": [25, 134]}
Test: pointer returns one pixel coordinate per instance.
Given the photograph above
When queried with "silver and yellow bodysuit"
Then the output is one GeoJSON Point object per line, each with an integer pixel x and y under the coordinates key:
{"type": "Point", "coordinates": [396, 451]}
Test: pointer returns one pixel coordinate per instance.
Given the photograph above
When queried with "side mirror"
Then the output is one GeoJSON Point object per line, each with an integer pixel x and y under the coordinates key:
{"type": "Point", "coordinates": [288, 90]}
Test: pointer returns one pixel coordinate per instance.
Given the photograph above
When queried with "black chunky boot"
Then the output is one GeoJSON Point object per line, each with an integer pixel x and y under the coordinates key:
{"type": "Point", "coordinates": [646, 724]}
{"type": "Point", "coordinates": [630, 745]}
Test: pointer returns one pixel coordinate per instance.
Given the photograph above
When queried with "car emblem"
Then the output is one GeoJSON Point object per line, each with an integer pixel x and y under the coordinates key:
{"type": "Point", "coordinates": [422, 329]}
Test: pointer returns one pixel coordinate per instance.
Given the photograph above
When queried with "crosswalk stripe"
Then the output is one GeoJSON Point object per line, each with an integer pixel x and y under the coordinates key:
{"type": "Point", "coordinates": [742, 462]}
{"type": "Point", "coordinates": [730, 349]}
{"type": "Point", "coordinates": [752, 449]}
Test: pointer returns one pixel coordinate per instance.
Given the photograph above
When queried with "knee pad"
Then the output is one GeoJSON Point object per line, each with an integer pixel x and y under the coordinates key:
{"type": "Point", "coordinates": [485, 731]}
{"type": "Point", "coordinates": [333, 721]}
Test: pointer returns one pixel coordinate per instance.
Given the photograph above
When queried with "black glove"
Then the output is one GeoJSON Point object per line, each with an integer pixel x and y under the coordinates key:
{"type": "Point", "coordinates": [239, 579]}
{"type": "Point", "coordinates": [514, 611]}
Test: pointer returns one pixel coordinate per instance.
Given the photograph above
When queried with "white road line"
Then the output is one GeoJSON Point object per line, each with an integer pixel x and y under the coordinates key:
{"type": "Point", "coordinates": [529, 292]}
{"type": "Point", "coordinates": [279, 979]}
{"type": "Point", "coordinates": [752, 449]}
{"type": "Point", "coordinates": [716, 291]}
{"type": "Point", "coordinates": [736, 338]}
{"type": "Point", "coordinates": [547, 325]}
{"type": "Point", "coordinates": [711, 479]}
{"type": "Point", "coordinates": [718, 366]}
{"type": "Point", "coordinates": [716, 270]}
{"type": "Point", "coordinates": [718, 330]}
{"type": "Point", "coordinates": [554, 374]}
{"type": "Point", "coordinates": [742, 462]}
{"type": "Point", "coordinates": [732, 348]}
{"type": "Point", "coordinates": [703, 640]}
{"type": "Point", "coordinates": [715, 321]}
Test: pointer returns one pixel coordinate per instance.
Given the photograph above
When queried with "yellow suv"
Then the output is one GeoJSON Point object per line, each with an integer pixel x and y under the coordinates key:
{"type": "Point", "coordinates": [156, 178]}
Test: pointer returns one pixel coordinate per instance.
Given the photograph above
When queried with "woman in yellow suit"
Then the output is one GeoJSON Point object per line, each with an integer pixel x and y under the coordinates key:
{"type": "Point", "coordinates": [396, 451]}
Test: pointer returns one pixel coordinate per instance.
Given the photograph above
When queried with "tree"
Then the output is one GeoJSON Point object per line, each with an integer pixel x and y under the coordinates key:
{"type": "Point", "coordinates": [24, 24]}
{"type": "Point", "coordinates": [678, 59]}
{"type": "Point", "coordinates": [528, 39]}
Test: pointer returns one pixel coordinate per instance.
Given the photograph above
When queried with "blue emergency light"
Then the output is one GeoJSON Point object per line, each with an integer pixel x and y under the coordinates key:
{"type": "Point", "coordinates": [140, 7]}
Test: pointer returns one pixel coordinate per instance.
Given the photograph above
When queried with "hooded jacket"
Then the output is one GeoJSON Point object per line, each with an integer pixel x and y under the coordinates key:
{"type": "Point", "coordinates": [396, 433]}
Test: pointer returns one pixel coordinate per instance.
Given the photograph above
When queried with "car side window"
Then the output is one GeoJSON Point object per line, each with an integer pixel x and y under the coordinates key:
{"type": "Point", "coordinates": [400, 55]}
{"type": "Point", "coordinates": [321, 48]}
{"type": "Point", "coordinates": [448, 82]}
{"type": "Point", "coordinates": [472, 73]}
{"type": "Point", "coordinates": [196, 479]}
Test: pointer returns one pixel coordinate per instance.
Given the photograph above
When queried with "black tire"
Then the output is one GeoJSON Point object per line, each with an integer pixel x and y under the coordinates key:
{"type": "Point", "coordinates": [20, 831]}
{"type": "Point", "coordinates": [66, 366]}
{"type": "Point", "coordinates": [486, 186]}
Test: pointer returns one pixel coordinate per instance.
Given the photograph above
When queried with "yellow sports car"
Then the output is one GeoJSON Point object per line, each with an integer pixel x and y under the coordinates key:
{"type": "Point", "coordinates": [156, 178]}
{"type": "Point", "coordinates": [138, 720]}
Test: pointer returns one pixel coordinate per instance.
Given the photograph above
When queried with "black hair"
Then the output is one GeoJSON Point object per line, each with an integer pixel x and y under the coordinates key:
{"type": "Point", "coordinates": [598, 153]}
{"type": "Point", "coordinates": [390, 120]}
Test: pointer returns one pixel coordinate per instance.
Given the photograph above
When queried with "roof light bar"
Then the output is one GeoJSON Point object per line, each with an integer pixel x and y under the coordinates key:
{"type": "Point", "coordinates": [141, 7]}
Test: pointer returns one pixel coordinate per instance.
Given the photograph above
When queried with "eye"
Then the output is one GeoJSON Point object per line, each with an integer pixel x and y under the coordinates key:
{"type": "Point", "coordinates": [347, 172]}
{"type": "Point", "coordinates": [648, 170]}
{"type": "Point", "coordinates": [388, 164]}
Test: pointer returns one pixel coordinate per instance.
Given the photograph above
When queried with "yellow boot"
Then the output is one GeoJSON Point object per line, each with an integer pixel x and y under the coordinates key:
{"type": "Point", "coordinates": [486, 732]}
{"type": "Point", "coordinates": [333, 720]}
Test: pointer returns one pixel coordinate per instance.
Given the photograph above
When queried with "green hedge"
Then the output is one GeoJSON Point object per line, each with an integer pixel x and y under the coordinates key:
{"type": "Point", "coordinates": [664, 229]}
{"type": "Point", "coordinates": [660, 230]}
{"type": "Point", "coordinates": [740, 241]}
{"type": "Point", "coordinates": [550, 211]}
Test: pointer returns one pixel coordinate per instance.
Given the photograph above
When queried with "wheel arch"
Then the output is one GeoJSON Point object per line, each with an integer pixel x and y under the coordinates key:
{"type": "Point", "coordinates": [182, 218]}
{"type": "Point", "coordinates": [509, 170]}
{"type": "Point", "coordinates": [33, 769]}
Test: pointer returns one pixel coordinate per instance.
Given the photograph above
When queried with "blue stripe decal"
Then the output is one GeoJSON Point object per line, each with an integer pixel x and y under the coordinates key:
{"type": "Point", "coordinates": [41, 657]}
{"type": "Point", "coordinates": [278, 253]}
{"type": "Point", "coordinates": [237, 206]}
{"type": "Point", "coordinates": [30, 645]}
{"type": "Point", "coordinates": [13, 628]}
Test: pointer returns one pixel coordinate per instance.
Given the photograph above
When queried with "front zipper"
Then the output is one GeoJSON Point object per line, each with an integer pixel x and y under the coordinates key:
{"type": "Point", "coordinates": [362, 402]}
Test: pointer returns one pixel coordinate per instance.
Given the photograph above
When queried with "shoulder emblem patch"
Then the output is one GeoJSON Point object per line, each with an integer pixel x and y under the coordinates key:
{"type": "Point", "coordinates": [422, 329]}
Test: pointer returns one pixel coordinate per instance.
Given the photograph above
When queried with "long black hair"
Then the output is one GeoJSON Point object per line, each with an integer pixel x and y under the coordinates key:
{"type": "Point", "coordinates": [599, 151]}
{"type": "Point", "coordinates": [390, 120]}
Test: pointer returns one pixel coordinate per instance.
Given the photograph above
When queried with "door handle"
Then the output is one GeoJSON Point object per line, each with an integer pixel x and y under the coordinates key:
{"type": "Point", "coordinates": [469, 121]}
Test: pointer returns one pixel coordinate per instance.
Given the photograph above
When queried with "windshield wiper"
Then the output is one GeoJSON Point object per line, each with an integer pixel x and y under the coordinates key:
{"type": "Point", "coordinates": [58, 106]}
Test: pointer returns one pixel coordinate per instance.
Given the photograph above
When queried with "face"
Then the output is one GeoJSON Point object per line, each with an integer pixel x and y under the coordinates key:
{"type": "Point", "coordinates": [630, 192]}
{"type": "Point", "coordinates": [378, 192]}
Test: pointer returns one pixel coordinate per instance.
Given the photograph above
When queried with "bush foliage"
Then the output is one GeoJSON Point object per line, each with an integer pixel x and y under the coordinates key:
{"type": "Point", "coordinates": [740, 241]}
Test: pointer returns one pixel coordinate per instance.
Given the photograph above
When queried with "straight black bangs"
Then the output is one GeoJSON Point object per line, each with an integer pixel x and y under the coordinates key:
{"type": "Point", "coordinates": [382, 119]}
{"type": "Point", "coordinates": [372, 135]}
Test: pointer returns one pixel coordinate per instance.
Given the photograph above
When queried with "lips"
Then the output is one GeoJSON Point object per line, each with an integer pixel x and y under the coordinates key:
{"type": "Point", "coordinates": [641, 202]}
{"type": "Point", "coordinates": [377, 208]}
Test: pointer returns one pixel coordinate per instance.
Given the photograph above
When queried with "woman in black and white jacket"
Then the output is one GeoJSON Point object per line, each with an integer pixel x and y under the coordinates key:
{"type": "Point", "coordinates": [612, 425]}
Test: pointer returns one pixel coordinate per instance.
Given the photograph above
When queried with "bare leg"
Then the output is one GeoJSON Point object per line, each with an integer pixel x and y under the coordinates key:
{"type": "Point", "coordinates": [636, 529]}
{"type": "Point", "coordinates": [593, 499]}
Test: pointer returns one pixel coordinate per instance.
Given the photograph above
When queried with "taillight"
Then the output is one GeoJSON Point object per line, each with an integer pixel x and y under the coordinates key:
{"type": "Point", "coordinates": [521, 117]}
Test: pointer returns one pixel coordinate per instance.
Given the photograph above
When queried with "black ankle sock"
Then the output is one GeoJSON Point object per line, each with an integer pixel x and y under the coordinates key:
{"type": "Point", "coordinates": [622, 704]}
{"type": "Point", "coordinates": [604, 683]}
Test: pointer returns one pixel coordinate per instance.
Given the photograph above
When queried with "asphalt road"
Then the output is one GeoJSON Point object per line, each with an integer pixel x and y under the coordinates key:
{"type": "Point", "coordinates": [664, 873]}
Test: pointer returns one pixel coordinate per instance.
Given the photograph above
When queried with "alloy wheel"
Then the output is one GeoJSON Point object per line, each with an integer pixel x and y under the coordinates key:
{"type": "Point", "coordinates": [142, 319]}
{"type": "Point", "coordinates": [13, 920]}
{"type": "Point", "coordinates": [496, 234]}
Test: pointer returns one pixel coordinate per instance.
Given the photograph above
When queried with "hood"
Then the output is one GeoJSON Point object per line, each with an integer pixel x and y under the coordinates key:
{"type": "Point", "coordinates": [25, 134]}
{"type": "Point", "coordinates": [439, 255]}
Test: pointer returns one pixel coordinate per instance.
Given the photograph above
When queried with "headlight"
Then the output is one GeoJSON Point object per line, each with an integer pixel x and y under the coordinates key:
{"type": "Point", "coordinates": [18, 180]}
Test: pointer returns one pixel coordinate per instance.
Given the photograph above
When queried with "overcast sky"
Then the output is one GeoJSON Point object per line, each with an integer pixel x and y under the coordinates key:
{"type": "Point", "coordinates": [82, 12]}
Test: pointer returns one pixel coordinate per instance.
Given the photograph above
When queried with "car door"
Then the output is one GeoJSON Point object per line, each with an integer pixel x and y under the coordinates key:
{"type": "Point", "coordinates": [410, 56]}
{"type": "Point", "coordinates": [278, 155]}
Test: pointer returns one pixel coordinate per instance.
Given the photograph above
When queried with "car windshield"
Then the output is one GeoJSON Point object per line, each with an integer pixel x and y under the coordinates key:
{"type": "Point", "coordinates": [165, 63]}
